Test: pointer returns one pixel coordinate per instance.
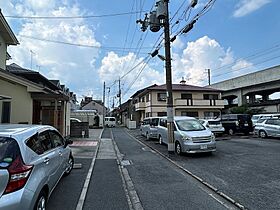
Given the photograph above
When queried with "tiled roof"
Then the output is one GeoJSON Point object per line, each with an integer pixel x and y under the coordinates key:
{"type": "Point", "coordinates": [179, 87]}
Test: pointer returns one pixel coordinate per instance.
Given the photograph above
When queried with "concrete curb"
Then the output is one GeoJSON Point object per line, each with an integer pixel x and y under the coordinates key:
{"type": "Point", "coordinates": [228, 198]}
{"type": "Point", "coordinates": [131, 194]}
{"type": "Point", "coordinates": [87, 181]}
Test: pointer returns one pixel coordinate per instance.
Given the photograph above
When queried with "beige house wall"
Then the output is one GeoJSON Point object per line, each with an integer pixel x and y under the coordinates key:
{"type": "Point", "coordinates": [3, 53]}
{"type": "Point", "coordinates": [154, 106]}
{"type": "Point", "coordinates": [21, 101]}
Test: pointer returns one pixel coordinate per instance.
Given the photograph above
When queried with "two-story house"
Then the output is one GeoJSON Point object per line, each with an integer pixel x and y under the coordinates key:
{"type": "Point", "coordinates": [7, 37]}
{"type": "Point", "coordinates": [28, 97]}
{"type": "Point", "coordinates": [188, 100]}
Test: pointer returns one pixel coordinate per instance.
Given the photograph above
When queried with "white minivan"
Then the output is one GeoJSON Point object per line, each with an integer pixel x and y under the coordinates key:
{"type": "Point", "coordinates": [110, 121]}
{"type": "Point", "coordinates": [148, 127]}
{"type": "Point", "coordinates": [190, 135]}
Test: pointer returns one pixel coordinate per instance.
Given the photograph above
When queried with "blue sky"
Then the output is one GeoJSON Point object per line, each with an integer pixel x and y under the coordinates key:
{"type": "Point", "coordinates": [235, 37]}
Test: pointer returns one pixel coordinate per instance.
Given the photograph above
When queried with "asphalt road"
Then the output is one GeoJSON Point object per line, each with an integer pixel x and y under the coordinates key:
{"type": "Point", "coordinates": [159, 184]}
{"type": "Point", "coordinates": [245, 168]}
{"type": "Point", "coordinates": [67, 193]}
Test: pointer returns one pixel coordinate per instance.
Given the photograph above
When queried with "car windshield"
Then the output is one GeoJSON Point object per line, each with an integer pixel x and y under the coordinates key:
{"type": "Point", "coordinates": [154, 122]}
{"type": "Point", "coordinates": [189, 125]}
{"type": "Point", "coordinates": [255, 117]}
{"type": "Point", "coordinates": [261, 120]}
{"type": "Point", "coordinates": [9, 151]}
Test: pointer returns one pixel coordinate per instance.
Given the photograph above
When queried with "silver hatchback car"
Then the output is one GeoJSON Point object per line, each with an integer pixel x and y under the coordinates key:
{"type": "Point", "coordinates": [33, 158]}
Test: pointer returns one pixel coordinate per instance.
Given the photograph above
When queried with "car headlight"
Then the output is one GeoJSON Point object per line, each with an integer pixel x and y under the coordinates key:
{"type": "Point", "coordinates": [213, 137]}
{"type": "Point", "coordinates": [186, 138]}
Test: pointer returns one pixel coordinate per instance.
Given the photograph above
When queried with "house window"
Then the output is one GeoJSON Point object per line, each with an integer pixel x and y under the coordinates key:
{"type": "Point", "coordinates": [161, 114]}
{"type": "Point", "coordinates": [211, 115]}
{"type": "Point", "coordinates": [6, 112]}
{"type": "Point", "coordinates": [161, 96]}
{"type": "Point", "coordinates": [148, 114]}
{"type": "Point", "coordinates": [210, 96]}
{"type": "Point", "coordinates": [147, 97]}
{"type": "Point", "coordinates": [186, 96]}
{"type": "Point", "coordinates": [189, 114]}
{"type": "Point", "coordinates": [142, 99]}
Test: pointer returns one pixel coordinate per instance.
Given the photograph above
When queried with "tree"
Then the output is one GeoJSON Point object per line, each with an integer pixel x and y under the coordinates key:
{"type": "Point", "coordinates": [244, 109]}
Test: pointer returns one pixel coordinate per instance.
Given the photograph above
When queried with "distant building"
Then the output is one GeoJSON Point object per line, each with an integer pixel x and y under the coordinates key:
{"type": "Point", "coordinates": [188, 100]}
{"type": "Point", "coordinates": [90, 104]}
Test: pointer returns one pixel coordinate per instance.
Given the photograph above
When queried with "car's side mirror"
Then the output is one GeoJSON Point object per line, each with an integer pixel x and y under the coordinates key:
{"type": "Point", "coordinates": [68, 141]}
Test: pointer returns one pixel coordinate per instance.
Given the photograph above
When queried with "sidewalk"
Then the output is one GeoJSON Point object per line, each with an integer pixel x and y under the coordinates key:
{"type": "Point", "coordinates": [105, 190]}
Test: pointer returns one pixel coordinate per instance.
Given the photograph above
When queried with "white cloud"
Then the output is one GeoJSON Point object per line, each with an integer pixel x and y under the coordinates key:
{"type": "Point", "coordinates": [245, 7]}
{"type": "Point", "coordinates": [178, 44]}
{"type": "Point", "coordinates": [73, 66]}
{"type": "Point", "coordinates": [114, 66]}
{"type": "Point", "coordinates": [200, 55]}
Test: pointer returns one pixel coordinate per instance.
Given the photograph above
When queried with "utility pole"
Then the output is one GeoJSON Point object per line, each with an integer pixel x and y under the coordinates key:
{"type": "Point", "coordinates": [209, 76]}
{"type": "Point", "coordinates": [31, 59]}
{"type": "Point", "coordinates": [104, 104]}
{"type": "Point", "coordinates": [120, 100]}
{"type": "Point", "coordinates": [169, 95]}
{"type": "Point", "coordinates": [108, 97]}
{"type": "Point", "coordinates": [156, 19]}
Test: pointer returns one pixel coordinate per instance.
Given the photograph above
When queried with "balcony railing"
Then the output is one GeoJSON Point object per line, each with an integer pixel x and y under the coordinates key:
{"type": "Point", "coordinates": [140, 106]}
{"type": "Point", "coordinates": [198, 102]}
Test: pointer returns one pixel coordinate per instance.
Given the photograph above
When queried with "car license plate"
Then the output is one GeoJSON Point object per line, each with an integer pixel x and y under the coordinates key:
{"type": "Point", "coordinates": [203, 146]}
{"type": "Point", "coordinates": [246, 124]}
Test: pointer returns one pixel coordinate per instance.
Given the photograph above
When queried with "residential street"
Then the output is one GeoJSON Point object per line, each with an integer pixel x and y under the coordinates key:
{"type": "Point", "coordinates": [243, 168]}
{"type": "Point", "coordinates": [246, 169]}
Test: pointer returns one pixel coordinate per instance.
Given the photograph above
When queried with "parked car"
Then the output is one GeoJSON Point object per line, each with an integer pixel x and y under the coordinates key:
{"type": "Point", "coordinates": [73, 120]}
{"type": "Point", "coordinates": [268, 127]}
{"type": "Point", "coordinates": [190, 135]}
{"type": "Point", "coordinates": [110, 121]}
{"type": "Point", "coordinates": [257, 117]}
{"type": "Point", "coordinates": [33, 158]}
{"type": "Point", "coordinates": [237, 123]}
{"type": "Point", "coordinates": [148, 127]}
{"type": "Point", "coordinates": [214, 125]}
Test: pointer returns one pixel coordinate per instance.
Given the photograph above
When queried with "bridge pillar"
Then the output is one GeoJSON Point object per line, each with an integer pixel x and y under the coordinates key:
{"type": "Point", "coordinates": [252, 99]}
{"type": "Point", "coordinates": [241, 98]}
{"type": "Point", "coordinates": [265, 97]}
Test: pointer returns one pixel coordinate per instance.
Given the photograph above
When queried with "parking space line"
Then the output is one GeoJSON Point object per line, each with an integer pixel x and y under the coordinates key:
{"type": "Point", "coordinates": [87, 181]}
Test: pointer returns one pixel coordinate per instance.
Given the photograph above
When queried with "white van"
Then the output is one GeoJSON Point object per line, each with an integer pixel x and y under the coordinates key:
{"type": "Point", "coordinates": [148, 127]}
{"type": "Point", "coordinates": [190, 135]}
{"type": "Point", "coordinates": [110, 121]}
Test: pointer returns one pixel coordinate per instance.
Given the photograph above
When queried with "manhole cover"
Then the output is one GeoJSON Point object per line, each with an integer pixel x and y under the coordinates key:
{"type": "Point", "coordinates": [125, 162]}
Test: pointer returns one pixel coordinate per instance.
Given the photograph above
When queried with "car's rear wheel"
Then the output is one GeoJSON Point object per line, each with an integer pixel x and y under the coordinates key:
{"type": "Point", "coordinates": [41, 201]}
{"type": "Point", "coordinates": [262, 134]}
{"type": "Point", "coordinates": [178, 148]}
{"type": "Point", "coordinates": [69, 166]}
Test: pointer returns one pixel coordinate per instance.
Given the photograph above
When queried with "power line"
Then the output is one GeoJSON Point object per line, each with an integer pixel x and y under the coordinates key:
{"type": "Point", "coordinates": [74, 17]}
{"type": "Point", "coordinates": [234, 70]}
{"type": "Point", "coordinates": [82, 45]}
{"type": "Point", "coordinates": [139, 73]}
{"type": "Point", "coordinates": [250, 57]}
